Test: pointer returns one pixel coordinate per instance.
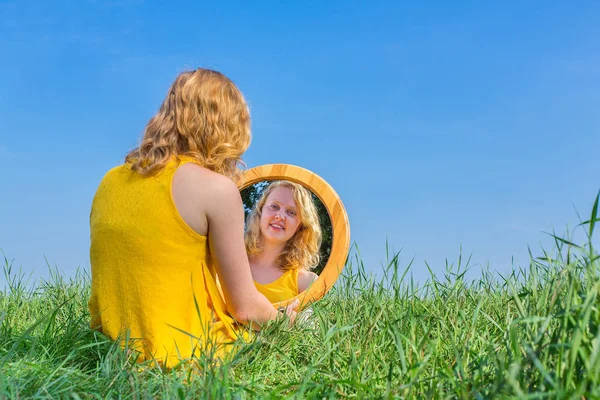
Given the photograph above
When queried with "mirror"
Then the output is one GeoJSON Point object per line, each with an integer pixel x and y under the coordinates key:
{"type": "Point", "coordinates": [328, 214]}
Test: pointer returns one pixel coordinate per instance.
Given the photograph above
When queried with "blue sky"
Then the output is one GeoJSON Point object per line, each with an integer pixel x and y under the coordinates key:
{"type": "Point", "coordinates": [440, 124]}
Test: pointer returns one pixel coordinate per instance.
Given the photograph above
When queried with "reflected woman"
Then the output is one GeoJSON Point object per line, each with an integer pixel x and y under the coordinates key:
{"type": "Point", "coordinates": [283, 237]}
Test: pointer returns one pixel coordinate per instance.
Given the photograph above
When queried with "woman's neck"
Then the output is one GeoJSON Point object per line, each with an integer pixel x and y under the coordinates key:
{"type": "Point", "coordinates": [268, 257]}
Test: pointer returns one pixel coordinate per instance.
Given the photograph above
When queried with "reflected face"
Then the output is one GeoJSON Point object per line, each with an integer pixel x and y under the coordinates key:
{"type": "Point", "coordinates": [280, 217]}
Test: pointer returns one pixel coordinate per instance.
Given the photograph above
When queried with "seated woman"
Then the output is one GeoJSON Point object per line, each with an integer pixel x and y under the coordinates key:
{"type": "Point", "coordinates": [168, 221]}
{"type": "Point", "coordinates": [283, 236]}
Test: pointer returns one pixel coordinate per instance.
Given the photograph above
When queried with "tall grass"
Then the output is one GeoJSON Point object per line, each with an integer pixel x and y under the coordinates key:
{"type": "Point", "coordinates": [532, 334]}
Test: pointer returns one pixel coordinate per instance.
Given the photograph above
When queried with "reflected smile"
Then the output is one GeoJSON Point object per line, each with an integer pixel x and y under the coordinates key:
{"type": "Point", "coordinates": [276, 226]}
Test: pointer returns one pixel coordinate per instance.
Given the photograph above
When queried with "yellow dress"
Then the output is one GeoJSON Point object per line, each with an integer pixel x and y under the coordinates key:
{"type": "Point", "coordinates": [152, 280]}
{"type": "Point", "coordinates": [283, 288]}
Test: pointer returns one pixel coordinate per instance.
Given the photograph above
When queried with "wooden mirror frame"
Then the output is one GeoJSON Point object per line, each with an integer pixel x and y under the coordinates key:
{"type": "Point", "coordinates": [340, 244]}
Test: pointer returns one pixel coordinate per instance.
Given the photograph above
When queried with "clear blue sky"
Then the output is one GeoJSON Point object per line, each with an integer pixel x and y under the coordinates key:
{"type": "Point", "coordinates": [439, 124]}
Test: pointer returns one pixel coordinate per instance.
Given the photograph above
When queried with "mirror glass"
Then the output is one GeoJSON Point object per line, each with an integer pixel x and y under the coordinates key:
{"type": "Point", "coordinates": [252, 194]}
{"type": "Point", "coordinates": [276, 284]}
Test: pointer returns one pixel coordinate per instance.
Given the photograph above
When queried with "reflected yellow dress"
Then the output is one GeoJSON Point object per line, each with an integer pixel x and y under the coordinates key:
{"type": "Point", "coordinates": [283, 288]}
{"type": "Point", "coordinates": [152, 280]}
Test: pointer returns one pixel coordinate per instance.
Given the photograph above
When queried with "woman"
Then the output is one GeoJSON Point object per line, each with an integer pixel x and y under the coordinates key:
{"type": "Point", "coordinates": [169, 220]}
{"type": "Point", "coordinates": [283, 237]}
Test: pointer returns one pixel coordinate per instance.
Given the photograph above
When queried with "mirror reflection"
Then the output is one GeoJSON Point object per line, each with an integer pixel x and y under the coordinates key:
{"type": "Point", "coordinates": [288, 237]}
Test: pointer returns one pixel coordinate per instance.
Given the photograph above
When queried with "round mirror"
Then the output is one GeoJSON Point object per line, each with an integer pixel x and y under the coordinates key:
{"type": "Point", "coordinates": [329, 215]}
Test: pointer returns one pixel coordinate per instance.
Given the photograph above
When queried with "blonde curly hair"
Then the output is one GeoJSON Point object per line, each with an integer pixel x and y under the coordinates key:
{"type": "Point", "coordinates": [205, 117]}
{"type": "Point", "coordinates": [302, 250]}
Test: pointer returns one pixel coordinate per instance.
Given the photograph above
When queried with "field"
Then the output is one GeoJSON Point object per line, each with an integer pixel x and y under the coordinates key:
{"type": "Point", "coordinates": [532, 334]}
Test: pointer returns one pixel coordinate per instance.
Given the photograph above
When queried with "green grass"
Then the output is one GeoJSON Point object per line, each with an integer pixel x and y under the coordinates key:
{"type": "Point", "coordinates": [532, 334]}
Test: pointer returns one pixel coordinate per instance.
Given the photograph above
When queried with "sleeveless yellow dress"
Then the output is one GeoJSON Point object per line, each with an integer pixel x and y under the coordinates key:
{"type": "Point", "coordinates": [283, 288]}
{"type": "Point", "coordinates": [152, 280]}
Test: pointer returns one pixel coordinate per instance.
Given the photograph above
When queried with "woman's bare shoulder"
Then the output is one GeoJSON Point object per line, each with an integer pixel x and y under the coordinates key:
{"type": "Point", "coordinates": [200, 194]}
{"type": "Point", "coordinates": [204, 183]}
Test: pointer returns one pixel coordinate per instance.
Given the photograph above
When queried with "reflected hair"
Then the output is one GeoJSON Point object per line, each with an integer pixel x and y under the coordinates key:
{"type": "Point", "coordinates": [204, 117]}
{"type": "Point", "coordinates": [302, 250]}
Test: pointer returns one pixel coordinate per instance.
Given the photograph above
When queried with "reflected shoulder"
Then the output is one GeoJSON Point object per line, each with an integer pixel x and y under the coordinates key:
{"type": "Point", "coordinates": [305, 278]}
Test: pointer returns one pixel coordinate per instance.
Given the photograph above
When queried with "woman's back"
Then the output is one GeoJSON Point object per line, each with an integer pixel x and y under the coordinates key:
{"type": "Point", "coordinates": [150, 272]}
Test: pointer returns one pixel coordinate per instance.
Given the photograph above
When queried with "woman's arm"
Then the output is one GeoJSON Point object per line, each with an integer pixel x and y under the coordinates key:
{"type": "Point", "coordinates": [211, 204]}
{"type": "Point", "coordinates": [225, 215]}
